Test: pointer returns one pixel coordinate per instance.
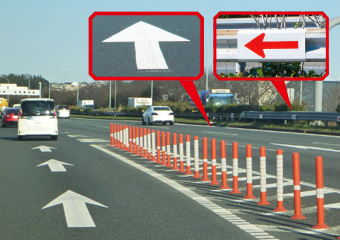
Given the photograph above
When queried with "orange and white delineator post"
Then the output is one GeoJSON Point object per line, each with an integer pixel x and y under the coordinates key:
{"type": "Point", "coordinates": [187, 153]}
{"type": "Point", "coordinates": [181, 153]}
{"type": "Point", "coordinates": [111, 134]}
{"type": "Point", "coordinates": [133, 139]}
{"type": "Point", "coordinates": [223, 165]}
{"type": "Point", "coordinates": [174, 149]}
{"type": "Point", "coordinates": [263, 178]}
{"type": "Point", "coordinates": [158, 147]}
{"type": "Point", "coordinates": [235, 168]}
{"type": "Point", "coordinates": [137, 141]}
{"type": "Point", "coordinates": [163, 149]}
{"type": "Point", "coordinates": [130, 139]}
{"type": "Point", "coordinates": [121, 144]}
{"type": "Point", "coordinates": [141, 137]}
{"type": "Point", "coordinates": [196, 157]}
{"type": "Point", "coordinates": [145, 143]}
{"type": "Point", "coordinates": [115, 135]}
{"type": "Point", "coordinates": [125, 138]}
{"type": "Point", "coordinates": [319, 194]}
{"type": "Point", "coordinates": [149, 145]}
{"type": "Point", "coordinates": [297, 188]}
{"type": "Point", "coordinates": [168, 150]}
{"type": "Point", "coordinates": [153, 152]}
{"type": "Point", "coordinates": [249, 166]}
{"type": "Point", "coordinates": [279, 176]}
{"type": "Point", "coordinates": [213, 163]}
{"type": "Point", "coordinates": [205, 160]}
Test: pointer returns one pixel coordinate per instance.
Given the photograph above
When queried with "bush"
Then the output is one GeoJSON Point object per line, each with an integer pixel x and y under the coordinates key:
{"type": "Point", "coordinates": [338, 108]}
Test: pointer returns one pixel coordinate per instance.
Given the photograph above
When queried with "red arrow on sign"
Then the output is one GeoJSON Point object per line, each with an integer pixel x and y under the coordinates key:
{"type": "Point", "coordinates": [257, 45]}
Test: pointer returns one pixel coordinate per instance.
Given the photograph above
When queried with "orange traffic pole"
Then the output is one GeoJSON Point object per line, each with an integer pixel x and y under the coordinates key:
{"type": "Point", "coordinates": [205, 160]}
{"type": "Point", "coordinates": [168, 150]}
{"type": "Point", "coordinates": [158, 147]}
{"type": "Point", "coordinates": [223, 165]}
{"type": "Point", "coordinates": [279, 173]}
{"type": "Point", "coordinates": [145, 144]}
{"type": "Point", "coordinates": [187, 153]}
{"type": "Point", "coordinates": [263, 178]}
{"type": "Point", "coordinates": [196, 157]}
{"type": "Point", "coordinates": [235, 168]}
{"type": "Point", "coordinates": [174, 148]}
{"type": "Point", "coordinates": [141, 137]}
{"type": "Point", "coordinates": [111, 134]}
{"type": "Point", "coordinates": [297, 188]}
{"type": "Point", "coordinates": [149, 145]}
{"type": "Point", "coordinates": [181, 163]}
{"type": "Point", "coordinates": [115, 135]}
{"type": "Point", "coordinates": [130, 139]}
{"type": "Point", "coordinates": [153, 153]}
{"type": "Point", "coordinates": [319, 194]}
{"type": "Point", "coordinates": [249, 160]}
{"type": "Point", "coordinates": [213, 163]}
{"type": "Point", "coordinates": [133, 139]}
{"type": "Point", "coordinates": [163, 149]}
{"type": "Point", "coordinates": [137, 141]}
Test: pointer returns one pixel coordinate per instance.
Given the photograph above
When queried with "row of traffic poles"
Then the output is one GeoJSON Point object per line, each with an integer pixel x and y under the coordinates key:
{"type": "Point", "coordinates": [143, 142]}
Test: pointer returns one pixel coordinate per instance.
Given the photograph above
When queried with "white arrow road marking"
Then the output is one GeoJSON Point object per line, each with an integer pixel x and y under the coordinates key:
{"type": "Point", "coordinates": [55, 165]}
{"type": "Point", "coordinates": [146, 38]}
{"type": "Point", "coordinates": [76, 212]}
{"type": "Point", "coordinates": [44, 148]}
{"type": "Point", "coordinates": [307, 147]}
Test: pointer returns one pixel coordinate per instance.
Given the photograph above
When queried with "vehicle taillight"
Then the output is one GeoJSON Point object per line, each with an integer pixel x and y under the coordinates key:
{"type": "Point", "coordinates": [171, 113]}
{"type": "Point", "coordinates": [20, 113]}
{"type": "Point", "coordinates": [54, 113]}
{"type": "Point", "coordinates": [7, 115]}
{"type": "Point", "coordinates": [154, 113]}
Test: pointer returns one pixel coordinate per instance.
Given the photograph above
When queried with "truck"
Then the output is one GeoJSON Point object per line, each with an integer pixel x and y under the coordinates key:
{"type": "Point", "coordinates": [134, 102]}
{"type": "Point", "coordinates": [3, 104]}
{"type": "Point", "coordinates": [83, 104]}
{"type": "Point", "coordinates": [217, 97]}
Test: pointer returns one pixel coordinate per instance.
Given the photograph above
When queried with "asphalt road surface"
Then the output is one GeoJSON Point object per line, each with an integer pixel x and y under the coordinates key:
{"type": "Point", "coordinates": [102, 192]}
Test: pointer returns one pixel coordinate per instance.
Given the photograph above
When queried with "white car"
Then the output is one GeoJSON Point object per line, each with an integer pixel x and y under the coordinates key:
{"type": "Point", "coordinates": [37, 117]}
{"type": "Point", "coordinates": [63, 111]}
{"type": "Point", "coordinates": [158, 114]}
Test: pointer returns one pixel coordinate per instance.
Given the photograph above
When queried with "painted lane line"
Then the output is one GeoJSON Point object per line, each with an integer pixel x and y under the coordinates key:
{"type": "Point", "coordinates": [55, 165]}
{"type": "Point", "coordinates": [92, 140]}
{"type": "Point", "coordinates": [76, 213]}
{"type": "Point", "coordinates": [224, 213]}
{"type": "Point", "coordinates": [77, 136]}
{"type": "Point", "coordinates": [330, 144]}
{"type": "Point", "coordinates": [44, 148]}
{"type": "Point", "coordinates": [234, 134]}
{"type": "Point", "coordinates": [306, 147]}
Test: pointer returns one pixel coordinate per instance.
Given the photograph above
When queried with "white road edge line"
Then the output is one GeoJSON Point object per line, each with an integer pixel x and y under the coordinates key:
{"type": "Point", "coordinates": [222, 212]}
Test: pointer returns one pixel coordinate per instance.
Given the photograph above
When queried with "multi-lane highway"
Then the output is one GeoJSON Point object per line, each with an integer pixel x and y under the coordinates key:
{"type": "Point", "coordinates": [79, 187]}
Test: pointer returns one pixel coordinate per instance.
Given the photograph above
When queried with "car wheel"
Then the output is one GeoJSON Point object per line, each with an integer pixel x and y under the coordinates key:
{"type": "Point", "coordinates": [20, 138]}
{"type": "Point", "coordinates": [143, 121]}
{"type": "Point", "coordinates": [150, 123]}
{"type": "Point", "coordinates": [54, 137]}
{"type": "Point", "coordinates": [171, 123]}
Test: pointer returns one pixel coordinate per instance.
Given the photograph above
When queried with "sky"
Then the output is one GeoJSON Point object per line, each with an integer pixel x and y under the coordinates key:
{"type": "Point", "coordinates": [50, 38]}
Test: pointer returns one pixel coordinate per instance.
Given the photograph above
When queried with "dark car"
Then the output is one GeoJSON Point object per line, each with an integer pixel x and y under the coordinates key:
{"type": "Point", "coordinates": [10, 116]}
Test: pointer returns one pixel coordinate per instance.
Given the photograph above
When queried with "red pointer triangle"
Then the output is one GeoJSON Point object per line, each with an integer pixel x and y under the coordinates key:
{"type": "Point", "coordinates": [257, 45]}
{"type": "Point", "coordinates": [281, 88]}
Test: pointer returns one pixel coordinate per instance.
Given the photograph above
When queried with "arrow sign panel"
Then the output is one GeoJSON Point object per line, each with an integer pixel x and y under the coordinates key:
{"type": "Point", "coordinates": [44, 148]}
{"type": "Point", "coordinates": [55, 165]}
{"type": "Point", "coordinates": [271, 45]}
{"type": "Point", "coordinates": [76, 213]}
{"type": "Point", "coordinates": [146, 38]}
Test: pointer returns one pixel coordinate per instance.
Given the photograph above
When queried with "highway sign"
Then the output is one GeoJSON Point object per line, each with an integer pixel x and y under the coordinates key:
{"type": "Point", "coordinates": [146, 46]}
{"type": "Point", "coordinates": [271, 45]}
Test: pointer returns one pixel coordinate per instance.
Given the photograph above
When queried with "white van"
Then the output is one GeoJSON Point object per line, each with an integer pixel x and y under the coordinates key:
{"type": "Point", "coordinates": [37, 117]}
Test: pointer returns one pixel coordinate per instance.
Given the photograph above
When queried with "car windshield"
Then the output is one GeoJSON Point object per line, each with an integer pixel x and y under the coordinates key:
{"type": "Point", "coordinates": [63, 107]}
{"type": "Point", "coordinates": [37, 108]}
{"type": "Point", "coordinates": [15, 111]}
{"type": "Point", "coordinates": [161, 109]}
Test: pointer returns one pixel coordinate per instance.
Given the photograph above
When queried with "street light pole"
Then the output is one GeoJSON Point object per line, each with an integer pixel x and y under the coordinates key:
{"type": "Point", "coordinates": [207, 72]}
{"type": "Point", "coordinates": [110, 96]}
